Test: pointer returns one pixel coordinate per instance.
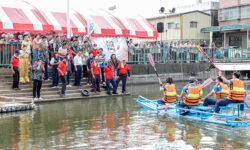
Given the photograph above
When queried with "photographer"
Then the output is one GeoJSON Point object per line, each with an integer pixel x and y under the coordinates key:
{"type": "Point", "coordinates": [37, 82]}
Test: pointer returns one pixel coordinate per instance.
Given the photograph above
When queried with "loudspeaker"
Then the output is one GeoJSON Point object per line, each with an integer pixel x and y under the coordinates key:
{"type": "Point", "coordinates": [160, 27]}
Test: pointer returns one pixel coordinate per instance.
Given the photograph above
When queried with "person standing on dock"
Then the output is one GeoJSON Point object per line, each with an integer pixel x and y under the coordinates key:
{"type": "Point", "coordinates": [85, 56]}
{"type": "Point", "coordinates": [54, 63]}
{"type": "Point", "coordinates": [237, 93]}
{"type": "Point", "coordinates": [190, 94]}
{"type": "Point", "coordinates": [169, 92]}
{"type": "Point", "coordinates": [115, 62]}
{"type": "Point", "coordinates": [24, 65]}
{"type": "Point", "coordinates": [221, 91]}
{"type": "Point", "coordinates": [102, 57]}
{"type": "Point", "coordinates": [38, 69]}
{"type": "Point", "coordinates": [69, 69]}
{"type": "Point", "coordinates": [78, 68]}
{"type": "Point", "coordinates": [123, 73]}
{"type": "Point", "coordinates": [62, 74]}
{"type": "Point", "coordinates": [15, 70]}
{"type": "Point", "coordinates": [90, 60]}
{"type": "Point", "coordinates": [109, 73]}
{"type": "Point", "coordinates": [96, 78]}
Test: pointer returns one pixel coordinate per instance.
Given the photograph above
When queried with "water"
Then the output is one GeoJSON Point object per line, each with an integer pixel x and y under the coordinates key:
{"type": "Point", "coordinates": [113, 123]}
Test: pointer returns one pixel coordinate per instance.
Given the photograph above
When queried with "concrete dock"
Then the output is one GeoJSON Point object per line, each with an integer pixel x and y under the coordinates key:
{"type": "Point", "coordinates": [47, 93]}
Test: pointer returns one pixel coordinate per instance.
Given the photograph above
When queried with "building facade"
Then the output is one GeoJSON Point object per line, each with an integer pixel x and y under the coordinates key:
{"type": "Point", "coordinates": [183, 26]}
{"type": "Point", "coordinates": [234, 20]}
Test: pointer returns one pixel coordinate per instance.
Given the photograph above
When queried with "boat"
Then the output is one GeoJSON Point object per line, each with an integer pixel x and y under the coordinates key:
{"type": "Point", "coordinates": [229, 115]}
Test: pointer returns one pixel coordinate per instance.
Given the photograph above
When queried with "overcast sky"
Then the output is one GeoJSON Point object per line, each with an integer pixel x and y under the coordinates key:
{"type": "Point", "coordinates": [145, 8]}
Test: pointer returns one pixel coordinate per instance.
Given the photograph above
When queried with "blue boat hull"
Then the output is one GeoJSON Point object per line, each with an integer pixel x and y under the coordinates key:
{"type": "Point", "coordinates": [198, 113]}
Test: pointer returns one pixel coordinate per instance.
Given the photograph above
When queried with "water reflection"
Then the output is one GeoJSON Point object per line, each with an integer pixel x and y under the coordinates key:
{"type": "Point", "coordinates": [114, 123]}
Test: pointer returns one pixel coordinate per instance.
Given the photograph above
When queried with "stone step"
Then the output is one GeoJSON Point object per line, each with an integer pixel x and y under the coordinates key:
{"type": "Point", "coordinates": [47, 93]}
{"type": "Point", "coordinates": [44, 89]}
{"type": "Point", "coordinates": [69, 97]}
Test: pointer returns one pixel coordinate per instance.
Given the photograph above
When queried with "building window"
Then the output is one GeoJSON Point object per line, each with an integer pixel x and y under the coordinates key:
{"type": "Point", "coordinates": [193, 24]}
{"type": "Point", "coordinates": [177, 26]}
{"type": "Point", "coordinates": [245, 11]}
{"type": "Point", "coordinates": [229, 14]}
{"type": "Point", "coordinates": [170, 25]}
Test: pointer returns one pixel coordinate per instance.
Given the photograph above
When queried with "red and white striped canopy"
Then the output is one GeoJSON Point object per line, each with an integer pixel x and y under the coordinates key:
{"type": "Point", "coordinates": [20, 16]}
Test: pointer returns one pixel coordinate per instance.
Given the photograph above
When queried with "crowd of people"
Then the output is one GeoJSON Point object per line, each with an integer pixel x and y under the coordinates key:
{"type": "Point", "coordinates": [180, 51]}
{"type": "Point", "coordinates": [78, 55]}
{"type": "Point", "coordinates": [226, 92]}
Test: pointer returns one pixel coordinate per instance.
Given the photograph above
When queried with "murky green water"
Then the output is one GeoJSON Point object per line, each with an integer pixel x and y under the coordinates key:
{"type": "Point", "coordinates": [113, 123]}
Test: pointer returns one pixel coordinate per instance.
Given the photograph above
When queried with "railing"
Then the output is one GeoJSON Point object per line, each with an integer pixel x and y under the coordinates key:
{"type": "Point", "coordinates": [187, 55]}
{"type": "Point", "coordinates": [6, 52]}
{"type": "Point", "coordinates": [161, 55]}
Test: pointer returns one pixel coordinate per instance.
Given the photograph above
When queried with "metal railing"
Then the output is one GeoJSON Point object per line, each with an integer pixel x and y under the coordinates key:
{"type": "Point", "coordinates": [161, 55]}
{"type": "Point", "coordinates": [187, 55]}
{"type": "Point", "coordinates": [6, 52]}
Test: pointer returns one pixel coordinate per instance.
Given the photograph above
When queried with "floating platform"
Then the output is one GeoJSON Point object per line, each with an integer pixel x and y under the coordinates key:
{"type": "Point", "coordinates": [6, 107]}
{"type": "Point", "coordinates": [201, 113]}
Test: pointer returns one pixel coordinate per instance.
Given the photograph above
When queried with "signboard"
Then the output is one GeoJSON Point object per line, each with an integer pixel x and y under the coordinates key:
{"type": "Point", "coordinates": [113, 45]}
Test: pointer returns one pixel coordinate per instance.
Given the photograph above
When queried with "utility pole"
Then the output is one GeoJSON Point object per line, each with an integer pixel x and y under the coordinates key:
{"type": "Point", "coordinates": [68, 20]}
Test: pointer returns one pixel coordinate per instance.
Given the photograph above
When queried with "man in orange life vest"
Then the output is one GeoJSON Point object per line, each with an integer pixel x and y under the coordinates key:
{"type": "Point", "coordinates": [190, 94]}
{"type": "Point", "coordinates": [237, 93]}
{"type": "Point", "coordinates": [221, 91]}
{"type": "Point", "coordinates": [169, 92]}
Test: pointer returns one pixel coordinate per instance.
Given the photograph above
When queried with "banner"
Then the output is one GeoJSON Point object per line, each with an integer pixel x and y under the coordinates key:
{"type": "Point", "coordinates": [113, 45]}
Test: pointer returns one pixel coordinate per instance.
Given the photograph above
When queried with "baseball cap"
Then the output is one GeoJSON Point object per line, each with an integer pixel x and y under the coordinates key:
{"type": "Point", "coordinates": [192, 79]}
{"type": "Point", "coordinates": [65, 57]}
{"type": "Point", "coordinates": [17, 51]}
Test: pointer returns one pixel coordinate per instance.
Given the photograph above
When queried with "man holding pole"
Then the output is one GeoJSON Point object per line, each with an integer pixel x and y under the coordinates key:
{"type": "Point", "coordinates": [237, 93]}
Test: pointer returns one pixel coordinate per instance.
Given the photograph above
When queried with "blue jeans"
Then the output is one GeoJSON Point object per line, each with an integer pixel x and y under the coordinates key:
{"type": "Point", "coordinates": [208, 102]}
{"type": "Point", "coordinates": [55, 77]}
{"type": "Point", "coordinates": [102, 73]}
{"type": "Point", "coordinates": [161, 102]}
{"type": "Point", "coordinates": [183, 105]}
{"type": "Point", "coordinates": [78, 75]}
{"type": "Point", "coordinates": [112, 81]}
{"type": "Point", "coordinates": [68, 77]}
{"type": "Point", "coordinates": [122, 77]}
{"type": "Point", "coordinates": [35, 55]}
{"type": "Point", "coordinates": [46, 71]}
{"type": "Point", "coordinates": [225, 102]}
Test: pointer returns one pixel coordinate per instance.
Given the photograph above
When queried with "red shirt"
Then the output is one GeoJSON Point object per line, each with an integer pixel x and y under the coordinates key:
{"type": "Point", "coordinates": [96, 69]}
{"type": "Point", "coordinates": [14, 61]}
{"type": "Point", "coordinates": [95, 52]}
{"type": "Point", "coordinates": [70, 52]}
{"type": "Point", "coordinates": [109, 72]}
{"type": "Point", "coordinates": [62, 67]}
{"type": "Point", "coordinates": [123, 70]}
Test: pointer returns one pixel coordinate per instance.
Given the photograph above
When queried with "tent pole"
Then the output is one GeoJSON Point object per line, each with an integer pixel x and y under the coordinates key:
{"type": "Point", "coordinates": [247, 38]}
{"type": "Point", "coordinates": [68, 20]}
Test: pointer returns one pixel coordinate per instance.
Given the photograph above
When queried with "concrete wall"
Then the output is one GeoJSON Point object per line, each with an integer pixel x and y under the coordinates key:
{"type": "Point", "coordinates": [194, 33]}
{"type": "Point", "coordinates": [231, 3]}
{"type": "Point", "coordinates": [189, 68]}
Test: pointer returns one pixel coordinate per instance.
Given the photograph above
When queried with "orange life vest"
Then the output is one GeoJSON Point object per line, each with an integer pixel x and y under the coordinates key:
{"type": "Point", "coordinates": [170, 94]}
{"type": "Point", "coordinates": [237, 92]}
{"type": "Point", "coordinates": [193, 96]}
{"type": "Point", "coordinates": [201, 91]}
{"type": "Point", "coordinates": [224, 93]}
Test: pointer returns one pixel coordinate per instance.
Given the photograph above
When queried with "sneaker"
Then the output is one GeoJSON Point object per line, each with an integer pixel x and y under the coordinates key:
{"type": "Point", "coordinates": [57, 87]}
{"type": "Point", "coordinates": [92, 90]}
{"type": "Point", "coordinates": [115, 93]}
{"type": "Point", "coordinates": [40, 99]}
{"type": "Point", "coordinates": [98, 90]}
{"type": "Point", "coordinates": [67, 86]}
{"type": "Point", "coordinates": [35, 99]}
{"type": "Point", "coordinates": [70, 85]}
{"type": "Point", "coordinates": [53, 87]}
{"type": "Point", "coordinates": [109, 93]}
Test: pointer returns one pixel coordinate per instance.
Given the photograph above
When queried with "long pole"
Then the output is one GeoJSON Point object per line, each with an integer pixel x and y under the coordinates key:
{"type": "Point", "coordinates": [68, 20]}
{"type": "Point", "coordinates": [247, 38]}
